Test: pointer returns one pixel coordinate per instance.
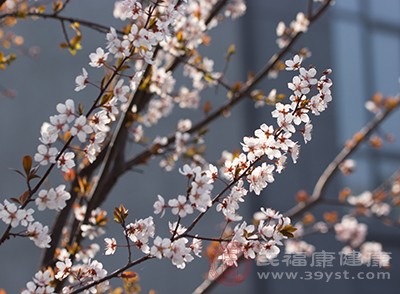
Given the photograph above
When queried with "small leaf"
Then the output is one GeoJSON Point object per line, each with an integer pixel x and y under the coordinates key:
{"type": "Point", "coordinates": [231, 51]}
{"type": "Point", "coordinates": [15, 200]}
{"type": "Point", "coordinates": [105, 99]}
{"type": "Point", "coordinates": [124, 67]}
{"type": "Point", "coordinates": [81, 108]}
{"type": "Point", "coordinates": [288, 231]}
{"type": "Point", "coordinates": [27, 164]}
{"type": "Point", "coordinates": [207, 107]}
{"type": "Point", "coordinates": [120, 214]}
{"type": "Point", "coordinates": [24, 197]}
{"type": "Point", "coordinates": [41, 9]}
{"type": "Point", "coordinates": [57, 6]}
{"type": "Point", "coordinates": [19, 172]}
{"type": "Point", "coordinates": [33, 175]}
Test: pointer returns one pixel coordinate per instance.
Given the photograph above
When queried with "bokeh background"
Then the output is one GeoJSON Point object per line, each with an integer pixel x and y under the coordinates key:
{"type": "Point", "coordinates": [358, 39]}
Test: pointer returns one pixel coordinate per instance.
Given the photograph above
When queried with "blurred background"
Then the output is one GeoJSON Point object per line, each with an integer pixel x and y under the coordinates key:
{"type": "Point", "coordinates": [358, 39]}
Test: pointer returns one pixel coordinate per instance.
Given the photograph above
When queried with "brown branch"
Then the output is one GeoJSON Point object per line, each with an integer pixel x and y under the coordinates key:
{"type": "Point", "coordinates": [209, 283]}
{"type": "Point", "coordinates": [62, 217]}
{"type": "Point", "coordinates": [89, 24]}
{"type": "Point", "coordinates": [238, 96]}
{"type": "Point", "coordinates": [110, 175]}
{"type": "Point", "coordinates": [114, 274]}
{"type": "Point", "coordinates": [64, 148]}
{"type": "Point", "coordinates": [217, 197]}
{"type": "Point", "coordinates": [332, 168]}
{"type": "Point", "coordinates": [217, 8]}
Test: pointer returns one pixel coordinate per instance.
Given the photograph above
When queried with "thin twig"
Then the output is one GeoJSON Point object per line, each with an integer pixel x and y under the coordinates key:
{"type": "Point", "coordinates": [332, 168]}
{"type": "Point", "coordinates": [89, 24]}
{"type": "Point", "coordinates": [63, 149]}
{"type": "Point", "coordinates": [114, 274]}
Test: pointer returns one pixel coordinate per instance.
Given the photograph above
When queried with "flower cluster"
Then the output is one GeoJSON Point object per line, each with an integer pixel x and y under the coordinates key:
{"type": "Point", "coordinates": [14, 216]}
{"type": "Point", "coordinates": [370, 203]}
{"type": "Point", "coordinates": [81, 274]}
{"type": "Point", "coordinates": [257, 242]}
{"type": "Point", "coordinates": [96, 221]}
{"type": "Point", "coordinates": [166, 28]}
{"type": "Point", "coordinates": [350, 230]}
{"type": "Point", "coordinates": [269, 144]}
{"type": "Point", "coordinates": [40, 283]}
{"type": "Point", "coordinates": [53, 198]}
{"type": "Point", "coordinates": [285, 34]}
{"type": "Point", "coordinates": [139, 233]}
{"type": "Point", "coordinates": [274, 143]}
{"type": "Point", "coordinates": [179, 251]}
{"type": "Point", "coordinates": [199, 192]}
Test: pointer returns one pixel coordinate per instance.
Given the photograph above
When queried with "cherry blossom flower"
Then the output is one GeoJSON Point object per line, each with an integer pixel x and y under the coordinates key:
{"type": "Point", "coordinates": [260, 177]}
{"type": "Point", "coordinates": [269, 250]}
{"type": "Point", "coordinates": [161, 247]}
{"type": "Point", "coordinates": [67, 110]}
{"type": "Point", "coordinates": [43, 278]}
{"type": "Point", "coordinates": [308, 75]}
{"type": "Point", "coordinates": [301, 23]}
{"type": "Point", "coordinates": [99, 122]}
{"type": "Point", "coordinates": [58, 124]}
{"type": "Point", "coordinates": [134, 10]}
{"type": "Point", "coordinates": [45, 155]}
{"type": "Point", "coordinates": [40, 284]}
{"type": "Point", "coordinates": [189, 171]}
{"type": "Point", "coordinates": [176, 228]}
{"type": "Point", "coordinates": [117, 47]}
{"type": "Point", "coordinates": [184, 125]}
{"type": "Point", "coordinates": [120, 10]}
{"type": "Point", "coordinates": [48, 133]}
{"type": "Point", "coordinates": [11, 215]}
{"type": "Point", "coordinates": [347, 166]}
{"type": "Point", "coordinates": [91, 231]}
{"type": "Point", "coordinates": [39, 234]}
{"type": "Point", "coordinates": [81, 129]}
{"type": "Point", "coordinates": [350, 230]}
{"type": "Point", "coordinates": [120, 91]}
{"type": "Point", "coordinates": [364, 199]}
{"type": "Point", "coordinates": [138, 133]}
{"type": "Point", "coordinates": [230, 254]}
{"type": "Point", "coordinates": [111, 108]}
{"type": "Point", "coordinates": [187, 98]}
{"type": "Point", "coordinates": [235, 9]}
{"type": "Point", "coordinates": [63, 269]}
{"type": "Point", "coordinates": [180, 206]}
{"type": "Point", "coordinates": [25, 216]}
{"type": "Point", "coordinates": [140, 232]}
{"type": "Point", "coordinates": [294, 152]}
{"type": "Point", "coordinates": [66, 161]}
{"type": "Point", "coordinates": [159, 206]}
{"type": "Point", "coordinates": [381, 209]}
{"type": "Point", "coordinates": [179, 253]}
{"type": "Point", "coordinates": [306, 132]}
{"type": "Point", "coordinates": [81, 81]}
{"type": "Point", "coordinates": [298, 246]}
{"type": "Point", "coordinates": [111, 246]}
{"type": "Point", "coordinates": [99, 58]}
{"type": "Point", "coordinates": [196, 246]}
{"type": "Point", "coordinates": [294, 64]}
{"type": "Point", "coordinates": [298, 86]}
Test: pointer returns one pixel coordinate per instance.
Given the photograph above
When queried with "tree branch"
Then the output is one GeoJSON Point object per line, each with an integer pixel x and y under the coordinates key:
{"type": "Point", "coordinates": [332, 168]}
